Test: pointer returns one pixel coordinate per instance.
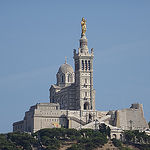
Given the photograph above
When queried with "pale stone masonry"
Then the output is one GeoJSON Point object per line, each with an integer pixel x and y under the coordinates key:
{"type": "Point", "coordinates": [131, 118]}
{"type": "Point", "coordinates": [72, 102]}
{"type": "Point", "coordinates": [74, 91]}
{"type": "Point", "coordinates": [49, 115]}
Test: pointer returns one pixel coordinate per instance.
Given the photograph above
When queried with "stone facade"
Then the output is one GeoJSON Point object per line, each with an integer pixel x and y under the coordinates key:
{"type": "Point", "coordinates": [72, 102]}
{"type": "Point", "coordinates": [49, 115]}
{"type": "Point", "coordinates": [74, 91]}
{"type": "Point", "coordinates": [42, 115]}
{"type": "Point", "coordinates": [131, 118]}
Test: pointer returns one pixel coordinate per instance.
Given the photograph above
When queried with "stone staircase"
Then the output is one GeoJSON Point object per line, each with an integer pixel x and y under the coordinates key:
{"type": "Point", "coordinates": [93, 124]}
{"type": "Point", "coordinates": [103, 119]}
{"type": "Point", "coordinates": [80, 121]}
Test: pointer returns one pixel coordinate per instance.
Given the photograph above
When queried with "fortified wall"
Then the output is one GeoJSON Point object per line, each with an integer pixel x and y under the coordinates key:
{"type": "Point", "coordinates": [131, 118]}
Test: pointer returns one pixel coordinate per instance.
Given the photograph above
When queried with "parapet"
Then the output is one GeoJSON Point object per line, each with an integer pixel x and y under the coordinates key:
{"type": "Point", "coordinates": [135, 106]}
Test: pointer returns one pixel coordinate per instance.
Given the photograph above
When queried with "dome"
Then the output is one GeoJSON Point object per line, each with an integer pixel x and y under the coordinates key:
{"type": "Point", "coordinates": [64, 68]}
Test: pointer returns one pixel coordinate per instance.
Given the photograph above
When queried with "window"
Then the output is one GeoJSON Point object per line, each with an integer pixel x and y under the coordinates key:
{"type": "Point", "coordinates": [85, 64]}
{"type": "Point", "coordinates": [86, 106]}
{"type": "Point", "coordinates": [82, 65]}
{"type": "Point", "coordinates": [89, 65]}
{"type": "Point", "coordinates": [62, 79]}
{"type": "Point", "coordinates": [85, 80]}
{"type": "Point", "coordinates": [85, 93]}
{"type": "Point", "coordinates": [68, 78]}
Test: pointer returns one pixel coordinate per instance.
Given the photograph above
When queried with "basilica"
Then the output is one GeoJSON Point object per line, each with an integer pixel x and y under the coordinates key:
{"type": "Point", "coordinates": [72, 101]}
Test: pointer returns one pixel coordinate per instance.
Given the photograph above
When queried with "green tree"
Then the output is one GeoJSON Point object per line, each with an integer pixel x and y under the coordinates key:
{"type": "Point", "coordinates": [117, 143]}
{"type": "Point", "coordinates": [105, 129]}
{"type": "Point", "coordinates": [129, 136]}
{"type": "Point", "coordinates": [22, 139]}
{"type": "Point", "coordinates": [6, 144]}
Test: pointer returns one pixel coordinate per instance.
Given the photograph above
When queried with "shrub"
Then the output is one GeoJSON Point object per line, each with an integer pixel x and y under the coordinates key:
{"type": "Point", "coordinates": [117, 143]}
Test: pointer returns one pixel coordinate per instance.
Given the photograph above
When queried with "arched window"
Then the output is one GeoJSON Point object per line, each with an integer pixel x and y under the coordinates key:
{"type": "Point", "coordinates": [85, 64]}
{"type": "Point", "coordinates": [90, 117]}
{"type": "Point", "coordinates": [68, 78]}
{"type": "Point", "coordinates": [114, 136]}
{"type": "Point", "coordinates": [89, 65]}
{"type": "Point", "coordinates": [86, 106]}
{"type": "Point", "coordinates": [82, 65]}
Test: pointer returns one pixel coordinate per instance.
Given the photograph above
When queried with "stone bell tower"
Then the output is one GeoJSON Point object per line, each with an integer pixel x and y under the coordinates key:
{"type": "Point", "coordinates": [85, 94]}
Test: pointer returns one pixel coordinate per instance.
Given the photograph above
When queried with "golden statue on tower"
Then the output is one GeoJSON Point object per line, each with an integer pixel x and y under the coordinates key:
{"type": "Point", "coordinates": [83, 25]}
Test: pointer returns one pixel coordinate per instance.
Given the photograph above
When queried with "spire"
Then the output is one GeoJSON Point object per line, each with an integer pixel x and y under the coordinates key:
{"type": "Point", "coordinates": [65, 59]}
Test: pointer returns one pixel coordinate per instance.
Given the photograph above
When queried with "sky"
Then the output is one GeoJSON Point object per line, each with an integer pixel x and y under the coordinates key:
{"type": "Point", "coordinates": [35, 37]}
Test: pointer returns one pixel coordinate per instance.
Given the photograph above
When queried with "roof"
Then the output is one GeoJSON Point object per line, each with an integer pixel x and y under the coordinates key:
{"type": "Point", "coordinates": [64, 68]}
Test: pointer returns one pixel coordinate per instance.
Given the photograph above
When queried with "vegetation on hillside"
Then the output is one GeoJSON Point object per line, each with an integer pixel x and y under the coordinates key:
{"type": "Point", "coordinates": [52, 139]}
{"type": "Point", "coordinates": [17, 141]}
{"type": "Point", "coordinates": [139, 139]}
{"type": "Point", "coordinates": [119, 144]}
{"type": "Point", "coordinates": [84, 139]}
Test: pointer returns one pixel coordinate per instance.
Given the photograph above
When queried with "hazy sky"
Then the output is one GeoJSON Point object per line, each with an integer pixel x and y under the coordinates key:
{"type": "Point", "coordinates": [35, 37]}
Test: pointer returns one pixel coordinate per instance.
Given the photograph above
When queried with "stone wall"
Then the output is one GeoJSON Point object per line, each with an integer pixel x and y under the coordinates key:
{"type": "Point", "coordinates": [131, 119]}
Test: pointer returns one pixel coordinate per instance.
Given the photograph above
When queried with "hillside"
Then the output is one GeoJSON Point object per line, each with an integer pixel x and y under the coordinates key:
{"type": "Point", "coordinates": [71, 139]}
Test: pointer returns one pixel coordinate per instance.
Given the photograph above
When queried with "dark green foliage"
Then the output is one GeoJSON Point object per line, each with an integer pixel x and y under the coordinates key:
{"type": "Point", "coordinates": [5, 144]}
{"type": "Point", "coordinates": [129, 136]}
{"type": "Point", "coordinates": [136, 137]}
{"type": "Point", "coordinates": [142, 146]}
{"type": "Point", "coordinates": [22, 139]}
{"type": "Point", "coordinates": [86, 138]}
{"type": "Point", "coordinates": [104, 129]}
{"type": "Point", "coordinates": [117, 143]}
{"type": "Point", "coordinates": [59, 133]}
{"type": "Point", "coordinates": [16, 141]}
{"type": "Point", "coordinates": [91, 139]}
{"type": "Point", "coordinates": [51, 139]}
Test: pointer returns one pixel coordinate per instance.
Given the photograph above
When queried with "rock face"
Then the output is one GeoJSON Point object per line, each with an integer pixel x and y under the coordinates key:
{"type": "Point", "coordinates": [131, 118]}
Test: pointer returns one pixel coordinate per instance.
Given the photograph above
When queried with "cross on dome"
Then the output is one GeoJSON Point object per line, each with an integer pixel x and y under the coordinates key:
{"type": "Point", "coordinates": [65, 59]}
